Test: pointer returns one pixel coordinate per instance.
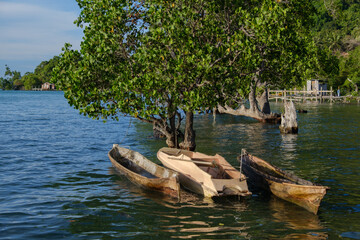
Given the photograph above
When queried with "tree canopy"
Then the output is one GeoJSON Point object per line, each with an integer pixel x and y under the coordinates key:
{"type": "Point", "coordinates": [44, 70]}
{"type": "Point", "coordinates": [31, 80]}
{"type": "Point", "coordinates": [159, 61]}
{"type": "Point", "coordinates": [11, 79]}
{"type": "Point", "coordinates": [337, 24]}
{"type": "Point", "coordinates": [337, 29]}
{"type": "Point", "coordinates": [350, 71]}
{"type": "Point", "coordinates": [273, 47]}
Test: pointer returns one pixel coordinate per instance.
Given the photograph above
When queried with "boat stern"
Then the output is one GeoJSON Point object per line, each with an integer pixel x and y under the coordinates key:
{"type": "Point", "coordinates": [232, 187]}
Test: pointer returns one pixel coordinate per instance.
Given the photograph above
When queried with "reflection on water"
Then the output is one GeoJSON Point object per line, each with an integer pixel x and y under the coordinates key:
{"type": "Point", "coordinates": [181, 218]}
{"type": "Point", "coordinates": [295, 217]}
{"type": "Point", "coordinates": [288, 145]}
{"type": "Point", "coordinates": [306, 236]}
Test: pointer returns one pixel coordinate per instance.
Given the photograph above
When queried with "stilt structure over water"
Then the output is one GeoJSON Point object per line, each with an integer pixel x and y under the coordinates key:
{"type": "Point", "coordinates": [304, 95]}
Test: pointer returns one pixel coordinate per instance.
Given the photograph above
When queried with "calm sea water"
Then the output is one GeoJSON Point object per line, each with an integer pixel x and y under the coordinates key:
{"type": "Point", "coordinates": [56, 181]}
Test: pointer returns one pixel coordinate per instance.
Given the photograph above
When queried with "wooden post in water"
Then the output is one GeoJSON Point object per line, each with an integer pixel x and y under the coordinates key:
{"type": "Point", "coordinates": [214, 114]}
{"type": "Point", "coordinates": [321, 93]}
{"type": "Point", "coordinates": [331, 94]}
{"type": "Point", "coordinates": [304, 95]}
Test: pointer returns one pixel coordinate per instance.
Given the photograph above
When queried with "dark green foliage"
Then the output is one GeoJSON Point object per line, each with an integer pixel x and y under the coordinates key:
{"type": "Point", "coordinates": [349, 75]}
{"type": "Point", "coordinates": [43, 71]}
{"type": "Point", "coordinates": [337, 24]}
{"type": "Point", "coordinates": [31, 80]}
{"type": "Point", "coordinates": [337, 31]}
{"type": "Point", "coordinates": [152, 58]}
{"type": "Point", "coordinates": [11, 79]}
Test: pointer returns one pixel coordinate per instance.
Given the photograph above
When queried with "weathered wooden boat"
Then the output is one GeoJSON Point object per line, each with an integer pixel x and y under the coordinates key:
{"type": "Point", "coordinates": [143, 172]}
{"type": "Point", "coordinates": [282, 184]}
{"type": "Point", "coordinates": [203, 174]}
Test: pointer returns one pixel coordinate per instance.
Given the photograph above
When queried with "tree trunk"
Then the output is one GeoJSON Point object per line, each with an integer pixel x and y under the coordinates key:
{"type": "Point", "coordinates": [288, 119]}
{"type": "Point", "coordinates": [252, 100]}
{"type": "Point", "coordinates": [173, 135]}
{"type": "Point", "coordinates": [189, 136]}
{"type": "Point", "coordinates": [249, 112]}
{"type": "Point", "coordinates": [262, 114]}
{"type": "Point", "coordinates": [157, 133]}
{"type": "Point", "coordinates": [163, 130]}
{"type": "Point", "coordinates": [263, 101]}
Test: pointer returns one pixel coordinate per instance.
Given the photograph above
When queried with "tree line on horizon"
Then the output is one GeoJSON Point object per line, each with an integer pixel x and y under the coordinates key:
{"type": "Point", "coordinates": [13, 80]}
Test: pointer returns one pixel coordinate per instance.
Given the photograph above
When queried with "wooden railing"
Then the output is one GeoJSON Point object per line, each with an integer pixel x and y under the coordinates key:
{"type": "Point", "coordinates": [303, 95]}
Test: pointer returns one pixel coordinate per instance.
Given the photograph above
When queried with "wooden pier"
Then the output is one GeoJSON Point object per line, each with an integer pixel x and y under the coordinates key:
{"type": "Point", "coordinates": [304, 96]}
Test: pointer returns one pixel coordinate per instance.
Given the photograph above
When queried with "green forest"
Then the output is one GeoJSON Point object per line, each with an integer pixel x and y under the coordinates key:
{"type": "Point", "coordinates": [13, 80]}
{"type": "Point", "coordinates": [335, 31]}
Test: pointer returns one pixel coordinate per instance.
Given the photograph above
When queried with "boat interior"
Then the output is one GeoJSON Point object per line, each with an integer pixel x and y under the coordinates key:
{"type": "Point", "coordinates": [204, 162]}
{"type": "Point", "coordinates": [272, 172]}
{"type": "Point", "coordinates": [126, 162]}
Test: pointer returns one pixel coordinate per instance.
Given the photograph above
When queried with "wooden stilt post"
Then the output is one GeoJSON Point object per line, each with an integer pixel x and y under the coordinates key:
{"type": "Point", "coordinates": [214, 114]}
{"type": "Point", "coordinates": [331, 94]}
{"type": "Point", "coordinates": [321, 97]}
{"type": "Point", "coordinates": [304, 94]}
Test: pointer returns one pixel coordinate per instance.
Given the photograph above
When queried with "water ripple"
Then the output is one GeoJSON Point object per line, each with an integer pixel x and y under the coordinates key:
{"type": "Point", "coordinates": [57, 182]}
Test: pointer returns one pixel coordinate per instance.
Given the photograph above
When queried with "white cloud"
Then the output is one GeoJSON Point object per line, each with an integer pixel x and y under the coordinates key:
{"type": "Point", "coordinates": [34, 32]}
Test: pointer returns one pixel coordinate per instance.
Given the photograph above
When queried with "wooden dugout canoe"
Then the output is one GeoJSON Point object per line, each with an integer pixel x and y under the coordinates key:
{"type": "Point", "coordinates": [282, 184]}
{"type": "Point", "coordinates": [203, 174]}
{"type": "Point", "coordinates": [143, 172]}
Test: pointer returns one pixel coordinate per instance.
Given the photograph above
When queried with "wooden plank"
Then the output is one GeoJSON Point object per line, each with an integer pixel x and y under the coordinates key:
{"type": "Point", "coordinates": [196, 162]}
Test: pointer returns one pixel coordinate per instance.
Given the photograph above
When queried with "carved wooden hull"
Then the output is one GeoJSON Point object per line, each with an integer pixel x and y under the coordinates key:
{"type": "Point", "coordinates": [203, 174]}
{"type": "Point", "coordinates": [143, 172]}
{"type": "Point", "coordinates": [282, 184]}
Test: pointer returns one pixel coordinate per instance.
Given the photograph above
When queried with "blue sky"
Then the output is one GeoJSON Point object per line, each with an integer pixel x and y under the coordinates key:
{"type": "Point", "coordinates": [32, 31]}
